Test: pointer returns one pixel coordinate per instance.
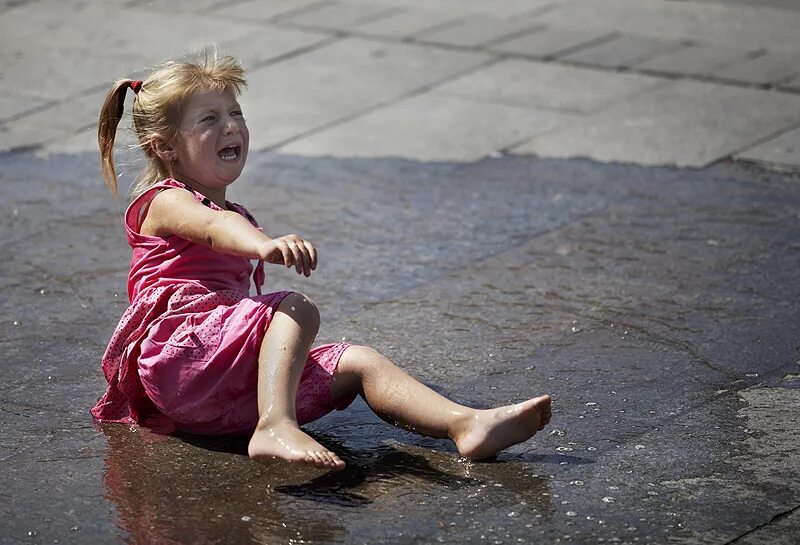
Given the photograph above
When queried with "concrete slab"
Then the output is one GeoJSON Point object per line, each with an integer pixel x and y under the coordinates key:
{"type": "Point", "coordinates": [792, 84]}
{"type": "Point", "coordinates": [696, 60]}
{"type": "Point", "coordinates": [407, 22]}
{"type": "Point", "coordinates": [736, 26]}
{"type": "Point", "coordinates": [766, 69]}
{"type": "Point", "coordinates": [782, 151]}
{"type": "Point", "coordinates": [623, 51]}
{"type": "Point", "coordinates": [339, 81]}
{"type": "Point", "coordinates": [685, 123]}
{"type": "Point", "coordinates": [549, 41]}
{"type": "Point", "coordinates": [12, 104]}
{"type": "Point", "coordinates": [473, 31]}
{"type": "Point", "coordinates": [429, 128]}
{"type": "Point", "coordinates": [503, 8]}
{"type": "Point", "coordinates": [339, 15]}
{"type": "Point", "coordinates": [268, 10]}
{"type": "Point", "coordinates": [531, 84]}
{"type": "Point", "coordinates": [271, 42]}
{"type": "Point", "coordinates": [62, 120]}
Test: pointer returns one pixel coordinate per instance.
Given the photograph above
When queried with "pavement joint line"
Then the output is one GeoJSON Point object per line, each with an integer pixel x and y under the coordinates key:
{"type": "Point", "coordinates": [435, 28]}
{"type": "Point", "coordinates": [302, 10]}
{"type": "Point", "coordinates": [767, 138]}
{"type": "Point", "coordinates": [209, 10]}
{"type": "Point", "coordinates": [539, 27]}
{"type": "Point", "coordinates": [332, 39]}
{"type": "Point", "coordinates": [395, 100]}
{"type": "Point", "coordinates": [775, 518]}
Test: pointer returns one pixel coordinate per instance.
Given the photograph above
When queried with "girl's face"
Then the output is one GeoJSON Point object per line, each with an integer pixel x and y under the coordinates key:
{"type": "Point", "coordinates": [211, 146]}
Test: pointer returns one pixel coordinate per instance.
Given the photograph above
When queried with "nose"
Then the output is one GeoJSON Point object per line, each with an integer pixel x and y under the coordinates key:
{"type": "Point", "coordinates": [231, 125]}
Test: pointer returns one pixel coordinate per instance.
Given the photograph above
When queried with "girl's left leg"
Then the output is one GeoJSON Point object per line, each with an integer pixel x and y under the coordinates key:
{"type": "Point", "coordinates": [403, 401]}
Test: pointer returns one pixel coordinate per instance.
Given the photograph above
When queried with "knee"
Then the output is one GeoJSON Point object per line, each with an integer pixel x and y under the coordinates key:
{"type": "Point", "coordinates": [361, 360]}
{"type": "Point", "coordinates": [302, 310]}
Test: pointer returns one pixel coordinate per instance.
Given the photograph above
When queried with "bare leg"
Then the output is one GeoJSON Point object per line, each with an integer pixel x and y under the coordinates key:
{"type": "Point", "coordinates": [283, 355]}
{"type": "Point", "coordinates": [403, 401]}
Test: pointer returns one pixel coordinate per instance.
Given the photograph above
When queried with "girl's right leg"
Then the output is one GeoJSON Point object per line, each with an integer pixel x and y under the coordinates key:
{"type": "Point", "coordinates": [282, 357]}
{"type": "Point", "coordinates": [403, 401]}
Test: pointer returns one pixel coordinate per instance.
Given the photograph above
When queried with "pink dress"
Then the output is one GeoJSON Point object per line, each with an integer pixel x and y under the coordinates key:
{"type": "Point", "coordinates": [185, 353]}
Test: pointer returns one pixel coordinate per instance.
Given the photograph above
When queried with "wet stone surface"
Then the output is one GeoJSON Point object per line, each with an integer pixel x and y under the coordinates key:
{"type": "Point", "coordinates": [659, 307]}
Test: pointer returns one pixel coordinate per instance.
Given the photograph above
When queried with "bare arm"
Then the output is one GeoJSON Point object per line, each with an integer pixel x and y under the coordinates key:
{"type": "Point", "coordinates": [177, 212]}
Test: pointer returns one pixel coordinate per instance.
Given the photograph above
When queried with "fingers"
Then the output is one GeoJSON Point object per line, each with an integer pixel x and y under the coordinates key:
{"type": "Point", "coordinates": [300, 253]}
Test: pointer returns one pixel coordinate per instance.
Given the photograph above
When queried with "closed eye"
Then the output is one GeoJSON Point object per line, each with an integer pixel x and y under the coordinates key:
{"type": "Point", "coordinates": [208, 118]}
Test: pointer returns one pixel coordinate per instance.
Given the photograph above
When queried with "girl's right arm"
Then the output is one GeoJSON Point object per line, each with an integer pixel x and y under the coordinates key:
{"type": "Point", "coordinates": [177, 212]}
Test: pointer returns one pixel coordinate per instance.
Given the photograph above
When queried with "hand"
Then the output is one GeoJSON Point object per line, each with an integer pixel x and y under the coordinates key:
{"type": "Point", "coordinates": [291, 250]}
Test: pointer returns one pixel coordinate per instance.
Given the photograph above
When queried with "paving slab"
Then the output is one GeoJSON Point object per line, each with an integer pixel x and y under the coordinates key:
{"type": "Point", "coordinates": [736, 26]}
{"type": "Point", "coordinates": [504, 8]}
{"type": "Point", "coordinates": [474, 31]}
{"type": "Point", "coordinates": [403, 24]}
{"type": "Point", "coordinates": [763, 70]}
{"type": "Point", "coordinates": [430, 128]}
{"type": "Point", "coordinates": [623, 51]}
{"type": "Point", "coordinates": [696, 60]}
{"type": "Point", "coordinates": [59, 120]}
{"type": "Point", "coordinates": [12, 104]}
{"type": "Point", "coordinates": [339, 15]}
{"type": "Point", "coordinates": [261, 10]}
{"type": "Point", "coordinates": [792, 84]}
{"type": "Point", "coordinates": [531, 84]}
{"type": "Point", "coordinates": [685, 123]}
{"type": "Point", "coordinates": [340, 81]}
{"type": "Point", "coordinates": [782, 151]}
{"type": "Point", "coordinates": [550, 40]}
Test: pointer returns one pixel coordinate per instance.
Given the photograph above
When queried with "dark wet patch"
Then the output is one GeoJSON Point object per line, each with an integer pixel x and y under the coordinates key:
{"type": "Point", "coordinates": [642, 299]}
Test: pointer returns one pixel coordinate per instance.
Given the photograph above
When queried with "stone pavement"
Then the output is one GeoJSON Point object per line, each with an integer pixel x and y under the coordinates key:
{"type": "Point", "coordinates": [510, 197]}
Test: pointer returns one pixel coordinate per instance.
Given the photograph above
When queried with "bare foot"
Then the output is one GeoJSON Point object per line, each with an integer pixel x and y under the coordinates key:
{"type": "Point", "coordinates": [489, 431]}
{"type": "Point", "coordinates": [285, 441]}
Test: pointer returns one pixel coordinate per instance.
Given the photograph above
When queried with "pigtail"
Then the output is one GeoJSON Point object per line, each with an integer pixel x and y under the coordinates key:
{"type": "Point", "coordinates": [110, 116]}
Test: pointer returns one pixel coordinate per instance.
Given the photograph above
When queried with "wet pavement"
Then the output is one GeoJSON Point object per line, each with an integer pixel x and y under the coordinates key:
{"type": "Point", "coordinates": [659, 307]}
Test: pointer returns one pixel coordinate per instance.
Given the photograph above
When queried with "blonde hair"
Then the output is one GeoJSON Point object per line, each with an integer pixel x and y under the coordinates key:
{"type": "Point", "coordinates": [157, 109]}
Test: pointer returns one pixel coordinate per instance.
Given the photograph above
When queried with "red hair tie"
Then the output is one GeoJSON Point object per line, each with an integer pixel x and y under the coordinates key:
{"type": "Point", "coordinates": [136, 85]}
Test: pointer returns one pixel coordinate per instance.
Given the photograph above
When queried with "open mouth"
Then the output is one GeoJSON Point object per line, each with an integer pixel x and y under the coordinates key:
{"type": "Point", "coordinates": [230, 153]}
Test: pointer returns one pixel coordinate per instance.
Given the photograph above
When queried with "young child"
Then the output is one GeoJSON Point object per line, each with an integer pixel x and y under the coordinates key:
{"type": "Point", "coordinates": [195, 346]}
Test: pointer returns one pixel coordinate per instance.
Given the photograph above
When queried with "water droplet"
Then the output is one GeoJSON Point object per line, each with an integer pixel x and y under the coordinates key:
{"type": "Point", "coordinates": [564, 449]}
{"type": "Point", "coordinates": [32, 533]}
{"type": "Point", "coordinates": [557, 432]}
{"type": "Point", "coordinates": [15, 211]}
{"type": "Point", "coordinates": [591, 448]}
{"type": "Point", "coordinates": [16, 322]}
{"type": "Point", "coordinates": [608, 499]}
{"type": "Point", "coordinates": [293, 309]}
{"type": "Point", "coordinates": [246, 518]}
{"type": "Point", "coordinates": [513, 514]}
{"type": "Point", "coordinates": [639, 447]}
{"type": "Point", "coordinates": [344, 338]}
{"type": "Point", "coordinates": [751, 375]}
{"type": "Point", "coordinates": [612, 487]}
{"type": "Point", "coordinates": [572, 514]}
{"type": "Point", "coordinates": [576, 483]}
{"type": "Point", "coordinates": [591, 404]}
{"type": "Point", "coordinates": [42, 291]}
{"type": "Point", "coordinates": [75, 528]}
{"type": "Point", "coordinates": [575, 329]}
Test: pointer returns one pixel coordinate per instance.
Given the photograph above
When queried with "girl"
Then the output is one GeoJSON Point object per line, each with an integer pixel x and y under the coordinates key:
{"type": "Point", "coordinates": [195, 346]}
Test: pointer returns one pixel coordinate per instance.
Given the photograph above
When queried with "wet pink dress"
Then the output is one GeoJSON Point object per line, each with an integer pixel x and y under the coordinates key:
{"type": "Point", "coordinates": [185, 353]}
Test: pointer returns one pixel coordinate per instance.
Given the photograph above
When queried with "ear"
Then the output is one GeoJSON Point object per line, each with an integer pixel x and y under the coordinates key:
{"type": "Point", "coordinates": [163, 150]}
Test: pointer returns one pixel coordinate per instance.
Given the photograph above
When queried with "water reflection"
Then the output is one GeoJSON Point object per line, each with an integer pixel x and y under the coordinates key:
{"type": "Point", "coordinates": [169, 491]}
{"type": "Point", "coordinates": [199, 490]}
